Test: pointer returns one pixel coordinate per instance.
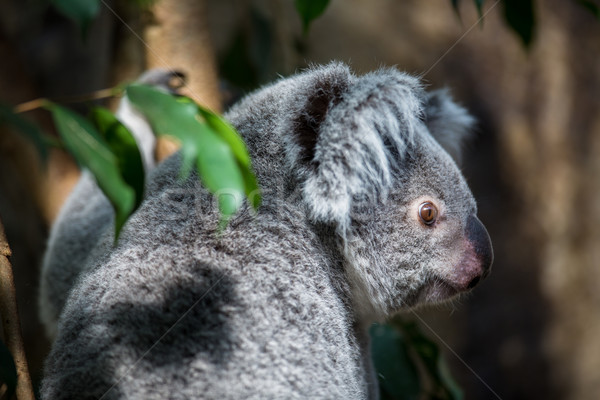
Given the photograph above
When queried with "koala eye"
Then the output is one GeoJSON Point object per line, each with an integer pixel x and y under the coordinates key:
{"type": "Point", "coordinates": [428, 213]}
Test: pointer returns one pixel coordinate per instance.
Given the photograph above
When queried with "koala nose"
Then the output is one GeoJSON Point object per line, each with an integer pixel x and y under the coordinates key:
{"type": "Point", "coordinates": [481, 245]}
{"type": "Point", "coordinates": [476, 259]}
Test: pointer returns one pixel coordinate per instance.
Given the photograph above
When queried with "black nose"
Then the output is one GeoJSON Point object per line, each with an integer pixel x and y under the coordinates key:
{"type": "Point", "coordinates": [480, 239]}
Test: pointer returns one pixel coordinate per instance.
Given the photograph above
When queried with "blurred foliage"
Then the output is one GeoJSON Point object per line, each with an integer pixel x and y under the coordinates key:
{"type": "Point", "coordinates": [520, 16]}
{"type": "Point", "coordinates": [82, 12]}
{"type": "Point", "coordinates": [310, 10]}
{"type": "Point", "coordinates": [250, 55]}
{"type": "Point", "coordinates": [410, 365]}
{"type": "Point", "coordinates": [397, 371]}
{"type": "Point", "coordinates": [105, 147]}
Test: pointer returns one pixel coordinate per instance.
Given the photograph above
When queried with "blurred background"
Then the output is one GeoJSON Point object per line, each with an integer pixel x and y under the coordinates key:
{"type": "Point", "coordinates": [532, 330]}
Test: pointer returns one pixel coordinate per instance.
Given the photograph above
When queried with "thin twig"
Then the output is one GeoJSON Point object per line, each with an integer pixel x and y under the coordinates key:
{"type": "Point", "coordinates": [10, 321]}
{"type": "Point", "coordinates": [29, 105]}
{"type": "Point", "coordinates": [38, 103]}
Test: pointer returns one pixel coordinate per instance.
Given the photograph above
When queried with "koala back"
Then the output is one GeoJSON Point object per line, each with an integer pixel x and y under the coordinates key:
{"type": "Point", "coordinates": [233, 317]}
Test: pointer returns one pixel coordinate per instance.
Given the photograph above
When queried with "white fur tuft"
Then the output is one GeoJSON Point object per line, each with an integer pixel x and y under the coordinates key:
{"type": "Point", "coordinates": [140, 129]}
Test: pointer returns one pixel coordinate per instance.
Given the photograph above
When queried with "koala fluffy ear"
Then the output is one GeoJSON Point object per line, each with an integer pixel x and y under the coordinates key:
{"type": "Point", "coordinates": [324, 90]}
{"type": "Point", "coordinates": [449, 123]}
{"type": "Point", "coordinates": [348, 134]}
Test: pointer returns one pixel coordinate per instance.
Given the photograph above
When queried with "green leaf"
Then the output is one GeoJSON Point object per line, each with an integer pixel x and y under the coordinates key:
{"type": "Point", "coordinates": [228, 134]}
{"type": "Point", "coordinates": [397, 372]}
{"type": "Point", "coordinates": [89, 149]}
{"type": "Point", "coordinates": [520, 16]}
{"type": "Point", "coordinates": [237, 146]}
{"type": "Point", "coordinates": [28, 129]}
{"type": "Point", "coordinates": [169, 117]}
{"type": "Point", "coordinates": [220, 172]}
{"type": "Point", "coordinates": [479, 6]}
{"type": "Point", "coordinates": [309, 10]}
{"type": "Point", "coordinates": [8, 371]}
{"type": "Point", "coordinates": [454, 5]}
{"type": "Point", "coordinates": [248, 59]}
{"type": "Point", "coordinates": [123, 145]}
{"type": "Point", "coordinates": [431, 358]}
{"type": "Point", "coordinates": [207, 141]}
{"type": "Point", "coordinates": [451, 386]}
{"type": "Point", "coordinates": [81, 11]}
{"type": "Point", "coordinates": [237, 65]}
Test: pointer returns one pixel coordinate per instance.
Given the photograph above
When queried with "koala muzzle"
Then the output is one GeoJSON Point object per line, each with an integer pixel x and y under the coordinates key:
{"type": "Point", "coordinates": [477, 261]}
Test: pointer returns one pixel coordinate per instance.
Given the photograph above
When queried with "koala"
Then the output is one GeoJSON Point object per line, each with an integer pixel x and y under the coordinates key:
{"type": "Point", "coordinates": [364, 214]}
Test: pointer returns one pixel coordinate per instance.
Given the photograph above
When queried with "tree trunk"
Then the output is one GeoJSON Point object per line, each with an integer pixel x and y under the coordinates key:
{"type": "Point", "coordinates": [177, 39]}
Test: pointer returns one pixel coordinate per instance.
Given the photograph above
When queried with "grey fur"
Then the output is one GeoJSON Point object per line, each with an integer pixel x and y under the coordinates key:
{"type": "Point", "coordinates": [448, 122]}
{"type": "Point", "coordinates": [279, 304]}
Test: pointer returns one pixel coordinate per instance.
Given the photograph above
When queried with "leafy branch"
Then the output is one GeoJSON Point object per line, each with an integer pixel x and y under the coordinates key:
{"type": "Point", "coordinates": [104, 146]}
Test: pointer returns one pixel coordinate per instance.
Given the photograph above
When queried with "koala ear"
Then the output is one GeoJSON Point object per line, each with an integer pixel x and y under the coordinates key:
{"type": "Point", "coordinates": [448, 122]}
{"type": "Point", "coordinates": [324, 90]}
{"type": "Point", "coordinates": [349, 133]}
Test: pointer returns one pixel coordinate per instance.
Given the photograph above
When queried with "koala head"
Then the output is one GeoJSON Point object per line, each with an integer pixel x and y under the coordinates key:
{"type": "Point", "coordinates": [372, 155]}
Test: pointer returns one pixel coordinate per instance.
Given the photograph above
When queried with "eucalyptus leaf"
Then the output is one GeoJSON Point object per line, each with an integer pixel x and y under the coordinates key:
{"type": "Point", "coordinates": [248, 59]}
{"type": "Point", "coordinates": [454, 5]}
{"type": "Point", "coordinates": [207, 142]}
{"type": "Point", "coordinates": [309, 10]}
{"type": "Point", "coordinates": [237, 65]}
{"type": "Point", "coordinates": [451, 386]}
{"type": "Point", "coordinates": [479, 6]}
{"type": "Point", "coordinates": [220, 172]}
{"type": "Point", "coordinates": [237, 146]}
{"type": "Point", "coordinates": [123, 145]}
{"type": "Point", "coordinates": [227, 133]}
{"type": "Point", "coordinates": [397, 372]}
{"type": "Point", "coordinates": [8, 371]}
{"type": "Point", "coordinates": [85, 143]}
{"type": "Point", "coordinates": [520, 16]}
{"type": "Point", "coordinates": [81, 11]}
{"type": "Point", "coordinates": [171, 117]}
{"type": "Point", "coordinates": [432, 360]}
